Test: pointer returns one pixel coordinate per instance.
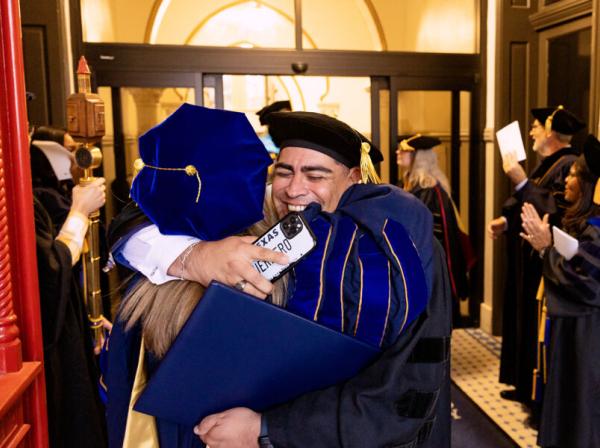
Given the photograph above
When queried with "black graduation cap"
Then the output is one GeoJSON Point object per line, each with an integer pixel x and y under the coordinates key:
{"type": "Point", "coordinates": [591, 153]}
{"type": "Point", "coordinates": [558, 119]}
{"type": "Point", "coordinates": [277, 106]}
{"type": "Point", "coordinates": [417, 142]}
{"type": "Point", "coordinates": [327, 135]}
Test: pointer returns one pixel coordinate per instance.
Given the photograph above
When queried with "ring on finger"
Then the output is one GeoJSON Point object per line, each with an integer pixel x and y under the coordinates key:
{"type": "Point", "coordinates": [241, 285]}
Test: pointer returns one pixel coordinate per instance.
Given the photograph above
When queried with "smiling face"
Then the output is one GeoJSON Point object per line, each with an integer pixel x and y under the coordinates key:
{"type": "Point", "coordinates": [572, 187]}
{"type": "Point", "coordinates": [302, 176]}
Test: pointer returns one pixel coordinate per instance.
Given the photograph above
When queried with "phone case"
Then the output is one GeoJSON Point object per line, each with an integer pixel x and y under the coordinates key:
{"type": "Point", "coordinates": [292, 236]}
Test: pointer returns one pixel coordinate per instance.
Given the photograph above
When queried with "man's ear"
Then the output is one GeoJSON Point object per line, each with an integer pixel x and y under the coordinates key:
{"type": "Point", "coordinates": [355, 175]}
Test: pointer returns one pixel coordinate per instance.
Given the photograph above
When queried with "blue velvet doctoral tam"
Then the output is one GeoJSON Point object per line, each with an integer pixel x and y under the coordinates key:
{"type": "Point", "coordinates": [204, 173]}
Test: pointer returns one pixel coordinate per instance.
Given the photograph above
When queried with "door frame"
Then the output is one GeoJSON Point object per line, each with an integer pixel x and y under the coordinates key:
{"type": "Point", "coordinates": [143, 65]}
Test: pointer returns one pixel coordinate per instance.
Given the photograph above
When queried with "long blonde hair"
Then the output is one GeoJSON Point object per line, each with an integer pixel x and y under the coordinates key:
{"type": "Point", "coordinates": [425, 172]}
{"type": "Point", "coordinates": [162, 310]}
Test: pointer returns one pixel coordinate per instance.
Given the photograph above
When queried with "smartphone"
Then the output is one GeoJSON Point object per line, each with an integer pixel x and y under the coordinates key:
{"type": "Point", "coordinates": [292, 236]}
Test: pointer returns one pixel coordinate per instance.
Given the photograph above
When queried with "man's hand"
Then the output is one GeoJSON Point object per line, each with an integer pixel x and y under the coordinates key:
{"type": "Point", "coordinates": [235, 428]}
{"type": "Point", "coordinates": [229, 261]}
{"type": "Point", "coordinates": [513, 169]}
{"type": "Point", "coordinates": [497, 227]}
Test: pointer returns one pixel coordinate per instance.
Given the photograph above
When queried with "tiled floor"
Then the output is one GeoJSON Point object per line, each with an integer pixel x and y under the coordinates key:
{"type": "Point", "coordinates": [475, 364]}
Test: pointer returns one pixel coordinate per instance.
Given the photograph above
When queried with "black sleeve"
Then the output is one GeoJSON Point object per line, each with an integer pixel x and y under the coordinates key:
{"type": "Point", "coordinates": [400, 398]}
{"type": "Point", "coordinates": [575, 281]}
{"type": "Point", "coordinates": [550, 197]}
{"type": "Point", "coordinates": [54, 272]}
{"type": "Point", "coordinates": [130, 219]}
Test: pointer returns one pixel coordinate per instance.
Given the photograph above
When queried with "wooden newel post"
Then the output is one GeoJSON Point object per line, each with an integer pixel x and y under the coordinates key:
{"type": "Point", "coordinates": [23, 419]}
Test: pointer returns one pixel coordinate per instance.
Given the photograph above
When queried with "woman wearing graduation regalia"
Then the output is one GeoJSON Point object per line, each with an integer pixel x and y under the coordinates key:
{"type": "Point", "coordinates": [569, 356]}
{"type": "Point", "coordinates": [75, 412]}
{"type": "Point", "coordinates": [423, 178]}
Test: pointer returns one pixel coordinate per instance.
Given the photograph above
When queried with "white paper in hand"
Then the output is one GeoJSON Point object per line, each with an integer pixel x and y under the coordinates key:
{"type": "Point", "coordinates": [509, 140]}
{"type": "Point", "coordinates": [564, 243]}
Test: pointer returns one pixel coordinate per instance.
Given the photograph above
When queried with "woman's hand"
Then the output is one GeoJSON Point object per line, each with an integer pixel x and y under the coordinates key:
{"type": "Point", "coordinates": [537, 231]}
{"type": "Point", "coordinates": [89, 198]}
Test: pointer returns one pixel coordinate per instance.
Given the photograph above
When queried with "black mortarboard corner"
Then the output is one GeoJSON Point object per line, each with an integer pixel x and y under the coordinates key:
{"type": "Point", "coordinates": [327, 135]}
{"type": "Point", "coordinates": [591, 153]}
{"type": "Point", "coordinates": [203, 174]}
{"type": "Point", "coordinates": [277, 106]}
{"type": "Point", "coordinates": [417, 142]}
{"type": "Point", "coordinates": [558, 119]}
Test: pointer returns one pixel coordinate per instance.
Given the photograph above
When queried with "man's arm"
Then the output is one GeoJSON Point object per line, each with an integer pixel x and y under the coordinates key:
{"type": "Point", "coordinates": [548, 197]}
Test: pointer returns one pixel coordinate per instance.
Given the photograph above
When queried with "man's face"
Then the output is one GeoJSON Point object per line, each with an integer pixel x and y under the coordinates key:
{"type": "Point", "coordinates": [539, 136]}
{"type": "Point", "coordinates": [302, 176]}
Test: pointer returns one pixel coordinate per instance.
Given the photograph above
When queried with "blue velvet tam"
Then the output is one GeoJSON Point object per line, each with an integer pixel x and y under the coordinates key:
{"type": "Point", "coordinates": [203, 174]}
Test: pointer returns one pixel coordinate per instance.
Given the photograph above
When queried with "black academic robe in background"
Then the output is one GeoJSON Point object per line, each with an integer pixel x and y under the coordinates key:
{"type": "Point", "coordinates": [545, 190]}
{"type": "Point", "coordinates": [75, 413]}
{"type": "Point", "coordinates": [571, 405]}
{"type": "Point", "coordinates": [448, 233]}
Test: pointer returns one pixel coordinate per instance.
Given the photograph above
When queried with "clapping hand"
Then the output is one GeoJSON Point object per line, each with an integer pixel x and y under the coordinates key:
{"type": "Point", "coordinates": [537, 231]}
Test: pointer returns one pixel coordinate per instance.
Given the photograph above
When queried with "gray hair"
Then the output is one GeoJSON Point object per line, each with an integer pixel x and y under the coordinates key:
{"type": "Point", "coordinates": [425, 172]}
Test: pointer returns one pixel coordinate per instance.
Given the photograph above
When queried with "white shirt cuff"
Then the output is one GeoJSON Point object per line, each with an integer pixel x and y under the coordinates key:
{"type": "Point", "coordinates": [152, 253]}
{"type": "Point", "coordinates": [521, 184]}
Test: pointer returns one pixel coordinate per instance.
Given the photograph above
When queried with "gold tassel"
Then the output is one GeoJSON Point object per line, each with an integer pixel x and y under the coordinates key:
{"type": "Point", "coordinates": [367, 170]}
{"type": "Point", "coordinates": [140, 429]}
{"type": "Point", "coordinates": [404, 144]}
{"type": "Point", "coordinates": [190, 170]}
{"type": "Point", "coordinates": [548, 123]}
{"type": "Point", "coordinates": [597, 192]}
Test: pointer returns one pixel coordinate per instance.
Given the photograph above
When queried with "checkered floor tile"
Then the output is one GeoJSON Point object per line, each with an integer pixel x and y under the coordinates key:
{"type": "Point", "coordinates": [475, 366]}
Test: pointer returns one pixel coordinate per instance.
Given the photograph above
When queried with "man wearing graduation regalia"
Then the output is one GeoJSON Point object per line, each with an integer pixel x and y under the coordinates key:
{"type": "Point", "coordinates": [364, 234]}
{"type": "Point", "coordinates": [263, 118]}
{"type": "Point", "coordinates": [551, 132]}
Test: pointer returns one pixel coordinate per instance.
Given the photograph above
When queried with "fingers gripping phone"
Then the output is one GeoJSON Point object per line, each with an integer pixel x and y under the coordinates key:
{"type": "Point", "coordinates": [292, 236]}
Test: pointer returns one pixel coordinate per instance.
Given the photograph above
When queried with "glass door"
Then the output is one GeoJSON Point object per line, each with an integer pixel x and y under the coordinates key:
{"type": "Point", "coordinates": [435, 110]}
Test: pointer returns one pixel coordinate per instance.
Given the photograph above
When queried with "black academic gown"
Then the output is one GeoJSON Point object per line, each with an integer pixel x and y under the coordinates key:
{"type": "Point", "coordinates": [545, 190]}
{"type": "Point", "coordinates": [403, 397]}
{"type": "Point", "coordinates": [75, 413]}
{"type": "Point", "coordinates": [401, 400]}
{"type": "Point", "coordinates": [448, 233]}
{"type": "Point", "coordinates": [571, 406]}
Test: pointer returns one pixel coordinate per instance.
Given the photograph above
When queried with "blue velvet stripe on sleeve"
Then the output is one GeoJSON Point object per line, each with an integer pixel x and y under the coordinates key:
{"type": "Point", "coordinates": [308, 273]}
{"type": "Point", "coordinates": [408, 276]}
{"type": "Point", "coordinates": [375, 298]}
{"type": "Point", "coordinates": [331, 311]}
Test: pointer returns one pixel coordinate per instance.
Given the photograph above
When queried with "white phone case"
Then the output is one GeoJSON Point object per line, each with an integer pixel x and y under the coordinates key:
{"type": "Point", "coordinates": [292, 236]}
